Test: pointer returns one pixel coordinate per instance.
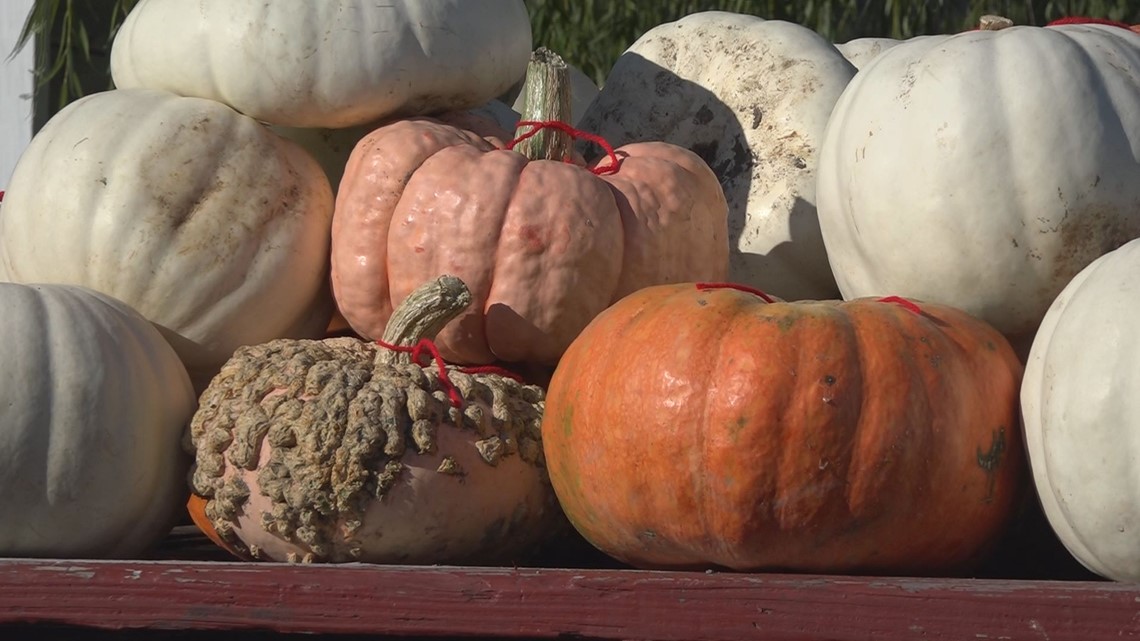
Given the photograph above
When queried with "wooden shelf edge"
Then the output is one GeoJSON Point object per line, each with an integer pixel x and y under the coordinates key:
{"type": "Point", "coordinates": [549, 603]}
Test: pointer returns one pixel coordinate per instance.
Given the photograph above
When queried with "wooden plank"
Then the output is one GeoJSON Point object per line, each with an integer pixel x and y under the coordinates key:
{"type": "Point", "coordinates": [17, 86]}
{"type": "Point", "coordinates": [549, 603]}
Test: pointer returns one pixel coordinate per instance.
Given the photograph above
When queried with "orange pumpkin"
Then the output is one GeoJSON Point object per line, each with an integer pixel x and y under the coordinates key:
{"type": "Point", "coordinates": [196, 508]}
{"type": "Point", "coordinates": [692, 427]}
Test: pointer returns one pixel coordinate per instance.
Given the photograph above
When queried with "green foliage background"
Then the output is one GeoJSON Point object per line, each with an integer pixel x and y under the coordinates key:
{"type": "Point", "coordinates": [589, 34]}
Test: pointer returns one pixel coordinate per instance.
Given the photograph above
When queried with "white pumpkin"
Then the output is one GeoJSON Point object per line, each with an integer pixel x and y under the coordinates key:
{"type": "Point", "coordinates": [200, 218]}
{"type": "Point", "coordinates": [1082, 414]}
{"type": "Point", "coordinates": [984, 170]}
{"type": "Point", "coordinates": [329, 64]}
{"type": "Point", "coordinates": [93, 407]}
{"type": "Point", "coordinates": [332, 147]}
{"type": "Point", "coordinates": [752, 97]}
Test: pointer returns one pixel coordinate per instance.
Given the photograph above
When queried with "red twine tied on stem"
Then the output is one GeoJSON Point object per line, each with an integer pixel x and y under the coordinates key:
{"type": "Point", "coordinates": [577, 134]}
{"type": "Point", "coordinates": [899, 300]}
{"type": "Point", "coordinates": [433, 352]}
{"type": "Point", "coordinates": [425, 347]}
{"type": "Point", "coordinates": [742, 288]}
{"type": "Point", "coordinates": [1083, 20]}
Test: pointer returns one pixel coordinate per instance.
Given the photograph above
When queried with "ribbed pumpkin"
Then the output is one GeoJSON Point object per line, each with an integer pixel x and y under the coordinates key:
{"type": "Point", "coordinates": [543, 244]}
{"type": "Point", "coordinates": [692, 427]}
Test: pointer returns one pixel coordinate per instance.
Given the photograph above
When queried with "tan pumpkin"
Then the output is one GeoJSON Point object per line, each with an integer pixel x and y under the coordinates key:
{"type": "Point", "coordinates": [543, 244]}
{"type": "Point", "coordinates": [694, 428]}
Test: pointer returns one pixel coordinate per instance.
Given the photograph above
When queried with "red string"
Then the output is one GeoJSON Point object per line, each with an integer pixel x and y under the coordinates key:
{"type": "Point", "coordinates": [433, 352]}
{"type": "Point", "coordinates": [492, 369]}
{"type": "Point", "coordinates": [1084, 20]}
{"type": "Point", "coordinates": [899, 300]}
{"type": "Point", "coordinates": [738, 287]}
{"type": "Point", "coordinates": [538, 125]}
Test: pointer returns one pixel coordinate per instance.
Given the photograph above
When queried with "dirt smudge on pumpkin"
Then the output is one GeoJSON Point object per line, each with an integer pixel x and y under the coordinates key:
{"type": "Point", "coordinates": [1089, 235]}
{"type": "Point", "coordinates": [990, 460]}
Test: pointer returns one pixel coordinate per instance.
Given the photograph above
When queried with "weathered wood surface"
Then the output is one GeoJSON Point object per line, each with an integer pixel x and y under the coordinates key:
{"type": "Point", "coordinates": [549, 603]}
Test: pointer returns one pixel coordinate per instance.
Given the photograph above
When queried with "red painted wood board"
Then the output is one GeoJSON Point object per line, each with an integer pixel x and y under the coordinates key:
{"type": "Point", "coordinates": [551, 603]}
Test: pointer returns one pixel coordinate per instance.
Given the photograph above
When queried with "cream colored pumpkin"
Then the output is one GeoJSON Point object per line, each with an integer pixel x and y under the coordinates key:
{"type": "Point", "coordinates": [984, 170]}
{"type": "Point", "coordinates": [93, 407]}
{"type": "Point", "coordinates": [1082, 414]}
{"type": "Point", "coordinates": [329, 64]}
{"type": "Point", "coordinates": [200, 218]}
{"type": "Point", "coordinates": [751, 97]}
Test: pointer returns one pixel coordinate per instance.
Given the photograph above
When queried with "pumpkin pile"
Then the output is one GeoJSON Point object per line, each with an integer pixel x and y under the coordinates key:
{"type": "Point", "coordinates": [762, 302]}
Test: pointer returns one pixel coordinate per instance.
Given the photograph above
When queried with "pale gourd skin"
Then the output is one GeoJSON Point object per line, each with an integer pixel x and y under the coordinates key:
{"type": "Point", "coordinates": [93, 407]}
{"type": "Point", "coordinates": [752, 97]}
{"type": "Point", "coordinates": [200, 218]}
{"type": "Point", "coordinates": [330, 64]}
{"type": "Point", "coordinates": [1081, 414]}
{"type": "Point", "coordinates": [984, 170]}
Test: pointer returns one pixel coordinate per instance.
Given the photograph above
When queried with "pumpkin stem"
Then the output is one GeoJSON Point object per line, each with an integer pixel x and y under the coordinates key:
{"type": "Point", "coordinates": [422, 315]}
{"type": "Point", "coordinates": [991, 22]}
{"type": "Point", "coordinates": [546, 97]}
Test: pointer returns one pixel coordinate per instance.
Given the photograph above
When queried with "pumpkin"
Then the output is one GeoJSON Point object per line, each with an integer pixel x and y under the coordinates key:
{"type": "Point", "coordinates": [752, 97]}
{"type": "Point", "coordinates": [695, 426]}
{"type": "Point", "coordinates": [1081, 414]}
{"type": "Point", "coordinates": [332, 65]}
{"type": "Point", "coordinates": [342, 450]}
{"type": "Point", "coordinates": [200, 218]}
{"type": "Point", "coordinates": [93, 405]}
{"type": "Point", "coordinates": [983, 170]}
{"type": "Point", "coordinates": [543, 244]}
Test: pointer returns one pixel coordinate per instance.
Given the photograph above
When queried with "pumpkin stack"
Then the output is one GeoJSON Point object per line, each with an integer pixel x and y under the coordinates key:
{"type": "Point", "coordinates": [195, 201]}
{"type": "Point", "coordinates": [170, 200]}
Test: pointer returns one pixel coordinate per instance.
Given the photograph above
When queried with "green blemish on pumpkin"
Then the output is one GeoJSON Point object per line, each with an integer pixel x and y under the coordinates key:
{"type": "Point", "coordinates": [568, 423]}
{"type": "Point", "coordinates": [990, 460]}
{"type": "Point", "coordinates": [736, 426]}
{"type": "Point", "coordinates": [785, 323]}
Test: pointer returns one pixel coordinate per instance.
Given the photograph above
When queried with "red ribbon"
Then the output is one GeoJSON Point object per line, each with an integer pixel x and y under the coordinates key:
{"type": "Point", "coordinates": [1084, 20]}
{"type": "Point", "coordinates": [425, 347]}
{"type": "Point", "coordinates": [577, 134]}
{"type": "Point", "coordinates": [899, 300]}
{"type": "Point", "coordinates": [737, 287]}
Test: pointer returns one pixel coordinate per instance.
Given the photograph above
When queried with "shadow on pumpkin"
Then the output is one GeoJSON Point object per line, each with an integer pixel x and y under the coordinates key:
{"type": "Point", "coordinates": [683, 112]}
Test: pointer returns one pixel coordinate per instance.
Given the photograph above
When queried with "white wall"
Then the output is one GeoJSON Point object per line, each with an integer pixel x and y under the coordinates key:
{"type": "Point", "coordinates": [16, 87]}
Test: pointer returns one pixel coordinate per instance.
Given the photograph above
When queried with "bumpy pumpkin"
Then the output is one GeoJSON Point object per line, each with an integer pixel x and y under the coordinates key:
{"type": "Point", "coordinates": [325, 64]}
{"type": "Point", "coordinates": [693, 427]}
{"type": "Point", "coordinates": [543, 244]}
{"type": "Point", "coordinates": [752, 97]}
{"type": "Point", "coordinates": [983, 170]}
{"type": "Point", "coordinates": [1081, 414]}
{"type": "Point", "coordinates": [93, 405]}
{"type": "Point", "coordinates": [344, 450]}
{"type": "Point", "coordinates": [200, 218]}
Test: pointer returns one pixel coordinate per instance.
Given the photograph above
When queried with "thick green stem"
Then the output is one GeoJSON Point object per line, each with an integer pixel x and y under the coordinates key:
{"type": "Point", "coordinates": [546, 97]}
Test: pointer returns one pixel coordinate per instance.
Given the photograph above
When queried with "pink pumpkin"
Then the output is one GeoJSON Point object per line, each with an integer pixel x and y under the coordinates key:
{"type": "Point", "coordinates": [543, 245]}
